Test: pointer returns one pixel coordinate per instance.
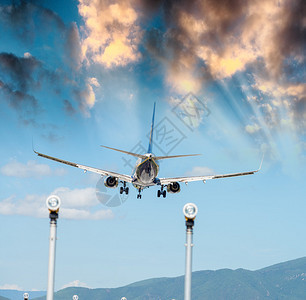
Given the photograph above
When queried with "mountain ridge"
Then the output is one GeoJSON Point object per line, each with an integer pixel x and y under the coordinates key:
{"type": "Point", "coordinates": [286, 280]}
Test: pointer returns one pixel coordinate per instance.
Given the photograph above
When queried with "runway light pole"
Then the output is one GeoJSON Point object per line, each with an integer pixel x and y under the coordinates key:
{"type": "Point", "coordinates": [53, 204]}
{"type": "Point", "coordinates": [190, 211]}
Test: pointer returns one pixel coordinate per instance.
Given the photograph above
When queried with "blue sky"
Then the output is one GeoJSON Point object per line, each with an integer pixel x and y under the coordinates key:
{"type": "Point", "coordinates": [229, 82]}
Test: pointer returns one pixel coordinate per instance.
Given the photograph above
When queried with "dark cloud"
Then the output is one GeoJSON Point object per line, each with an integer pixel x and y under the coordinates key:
{"type": "Point", "coordinates": [293, 33]}
{"type": "Point", "coordinates": [68, 107]}
{"type": "Point", "coordinates": [20, 70]}
{"type": "Point", "coordinates": [299, 114]}
{"type": "Point", "coordinates": [26, 105]}
{"type": "Point", "coordinates": [58, 71]}
{"type": "Point", "coordinates": [228, 26]}
{"type": "Point", "coordinates": [32, 22]}
{"type": "Point", "coordinates": [291, 36]}
{"type": "Point", "coordinates": [85, 98]}
{"type": "Point", "coordinates": [73, 53]}
{"type": "Point", "coordinates": [27, 19]}
{"type": "Point", "coordinates": [222, 19]}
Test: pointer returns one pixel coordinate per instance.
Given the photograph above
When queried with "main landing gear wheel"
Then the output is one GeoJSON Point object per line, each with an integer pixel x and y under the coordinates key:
{"type": "Point", "coordinates": [161, 192]}
{"type": "Point", "coordinates": [124, 189]}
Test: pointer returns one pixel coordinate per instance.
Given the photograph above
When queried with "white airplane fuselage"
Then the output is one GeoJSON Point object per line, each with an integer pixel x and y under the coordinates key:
{"type": "Point", "coordinates": [146, 171]}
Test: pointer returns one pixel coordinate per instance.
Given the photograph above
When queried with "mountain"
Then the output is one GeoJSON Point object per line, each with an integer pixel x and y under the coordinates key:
{"type": "Point", "coordinates": [17, 295]}
{"type": "Point", "coordinates": [283, 281]}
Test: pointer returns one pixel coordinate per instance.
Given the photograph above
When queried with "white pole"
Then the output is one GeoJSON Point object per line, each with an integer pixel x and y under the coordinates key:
{"type": "Point", "coordinates": [190, 211]}
{"type": "Point", "coordinates": [51, 273]}
{"type": "Point", "coordinates": [188, 265]}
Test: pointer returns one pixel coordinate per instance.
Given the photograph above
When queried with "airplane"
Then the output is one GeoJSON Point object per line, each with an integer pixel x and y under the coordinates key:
{"type": "Point", "coordinates": [145, 173]}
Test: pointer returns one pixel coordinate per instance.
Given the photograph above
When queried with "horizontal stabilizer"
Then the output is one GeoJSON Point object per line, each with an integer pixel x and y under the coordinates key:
{"type": "Point", "coordinates": [174, 156]}
{"type": "Point", "coordinates": [126, 152]}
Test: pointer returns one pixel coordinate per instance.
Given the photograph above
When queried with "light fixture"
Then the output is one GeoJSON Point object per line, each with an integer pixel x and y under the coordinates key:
{"type": "Point", "coordinates": [53, 203]}
{"type": "Point", "coordinates": [190, 210]}
{"type": "Point", "coordinates": [26, 296]}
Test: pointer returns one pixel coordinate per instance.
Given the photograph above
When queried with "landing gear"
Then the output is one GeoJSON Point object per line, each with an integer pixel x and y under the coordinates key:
{"type": "Point", "coordinates": [161, 192]}
{"type": "Point", "coordinates": [124, 188]}
{"type": "Point", "coordinates": [139, 194]}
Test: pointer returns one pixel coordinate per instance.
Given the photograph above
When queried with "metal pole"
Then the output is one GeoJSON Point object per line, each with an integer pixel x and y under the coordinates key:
{"type": "Point", "coordinates": [188, 265]}
{"type": "Point", "coordinates": [51, 268]}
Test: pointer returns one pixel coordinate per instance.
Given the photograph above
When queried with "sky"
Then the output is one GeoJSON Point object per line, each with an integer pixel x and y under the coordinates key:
{"type": "Point", "coordinates": [228, 79]}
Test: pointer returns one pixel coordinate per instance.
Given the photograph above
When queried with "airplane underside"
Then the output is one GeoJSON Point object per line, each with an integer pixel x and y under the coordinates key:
{"type": "Point", "coordinates": [146, 171]}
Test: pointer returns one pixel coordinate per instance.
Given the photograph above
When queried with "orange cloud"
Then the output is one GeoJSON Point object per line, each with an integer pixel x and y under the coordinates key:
{"type": "Point", "coordinates": [229, 36]}
{"type": "Point", "coordinates": [111, 30]}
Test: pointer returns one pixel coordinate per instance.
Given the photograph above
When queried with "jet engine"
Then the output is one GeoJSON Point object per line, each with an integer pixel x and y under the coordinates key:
{"type": "Point", "coordinates": [111, 182]}
{"type": "Point", "coordinates": [173, 187]}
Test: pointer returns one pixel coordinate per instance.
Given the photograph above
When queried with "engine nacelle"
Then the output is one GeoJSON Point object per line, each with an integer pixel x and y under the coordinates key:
{"type": "Point", "coordinates": [173, 187]}
{"type": "Point", "coordinates": [111, 182]}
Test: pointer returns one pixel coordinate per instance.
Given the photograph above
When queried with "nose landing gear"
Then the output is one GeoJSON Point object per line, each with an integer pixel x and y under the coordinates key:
{"type": "Point", "coordinates": [139, 194]}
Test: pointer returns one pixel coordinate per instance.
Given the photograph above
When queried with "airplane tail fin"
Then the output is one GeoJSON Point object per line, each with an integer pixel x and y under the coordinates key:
{"type": "Point", "coordinates": [126, 152]}
{"type": "Point", "coordinates": [151, 132]}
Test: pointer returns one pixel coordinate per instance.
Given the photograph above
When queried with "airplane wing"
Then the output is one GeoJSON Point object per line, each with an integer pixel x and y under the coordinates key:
{"type": "Point", "coordinates": [122, 177]}
{"type": "Point", "coordinates": [165, 181]}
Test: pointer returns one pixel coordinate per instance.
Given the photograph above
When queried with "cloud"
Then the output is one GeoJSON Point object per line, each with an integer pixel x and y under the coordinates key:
{"type": "Point", "coordinates": [30, 169]}
{"type": "Point", "coordinates": [20, 70]}
{"type": "Point", "coordinates": [111, 40]}
{"type": "Point", "coordinates": [200, 171]}
{"type": "Point", "coordinates": [78, 204]}
{"type": "Point", "coordinates": [26, 105]}
{"type": "Point", "coordinates": [284, 104]}
{"type": "Point", "coordinates": [220, 38]}
{"type": "Point", "coordinates": [73, 53]}
{"type": "Point", "coordinates": [75, 283]}
{"type": "Point", "coordinates": [69, 107]}
{"type": "Point", "coordinates": [17, 78]}
{"type": "Point", "coordinates": [252, 128]}
{"type": "Point", "coordinates": [19, 17]}
{"type": "Point", "coordinates": [59, 71]}
{"type": "Point", "coordinates": [11, 287]}
{"type": "Point", "coordinates": [86, 96]}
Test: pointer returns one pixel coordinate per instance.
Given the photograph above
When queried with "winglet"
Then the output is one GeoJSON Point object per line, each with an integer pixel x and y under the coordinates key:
{"type": "Point", "coordinates": [151, 132]}
{"type": "Point", "coordinates": [33, 146]}
{"type": "Point", "coordinates": [261, 161]}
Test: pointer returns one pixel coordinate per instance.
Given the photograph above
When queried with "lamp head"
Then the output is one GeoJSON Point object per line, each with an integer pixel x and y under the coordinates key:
{"type": "Point", "coordinates": [25, 296]}
{"type": "Point", "coordinates": [190, 211]}
{"type": "Point", "coordinates": [75, 297]}
{"type": "Point", "coordinates": [53, 203]}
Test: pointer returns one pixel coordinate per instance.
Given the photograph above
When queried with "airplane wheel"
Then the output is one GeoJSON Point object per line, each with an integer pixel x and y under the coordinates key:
{"type": "Point", "coordinates": [126, 190]}
{"type": "Point", "coordinates": [164, 194]}
{"type": "Point", "coordinates": [158, 193]}
{"type": "Point", "coordinates": [121, 190]}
